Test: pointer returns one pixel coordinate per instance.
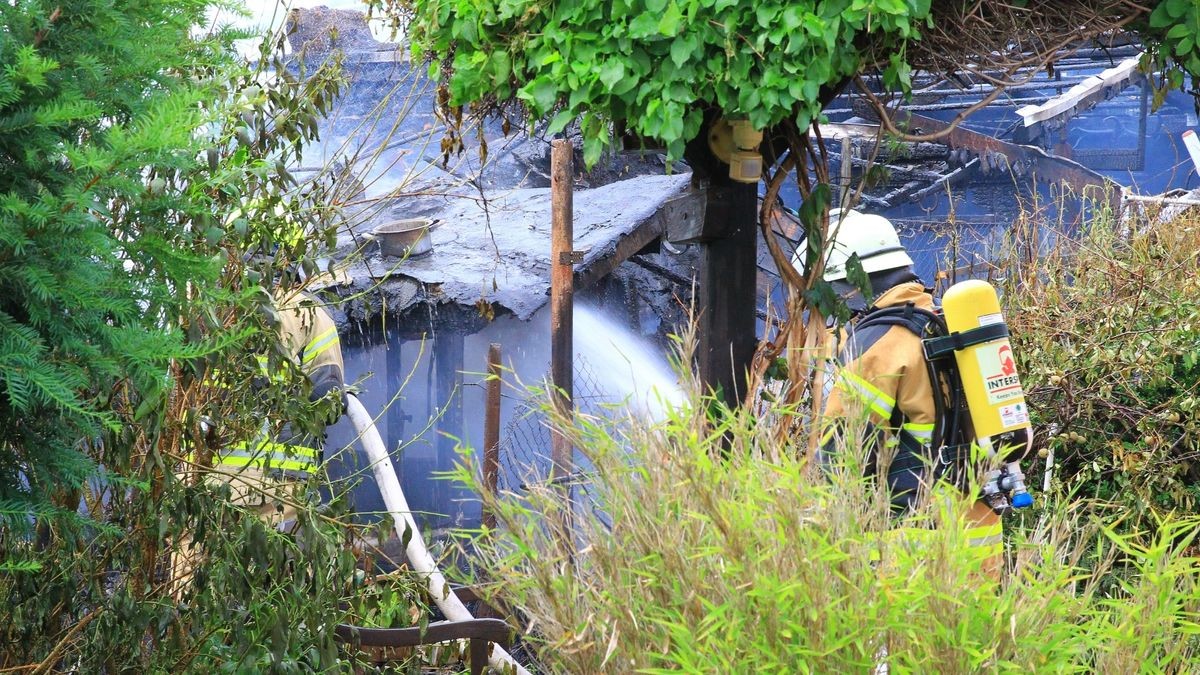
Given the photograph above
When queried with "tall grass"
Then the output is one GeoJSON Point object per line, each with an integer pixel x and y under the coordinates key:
{"type": "Point", "coordinates": [698, 559]}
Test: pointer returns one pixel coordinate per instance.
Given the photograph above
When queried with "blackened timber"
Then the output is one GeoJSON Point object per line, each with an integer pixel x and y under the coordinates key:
{"type": "Point", "coordinates": [1046, 167]}
{"type": "Point", "coordinates": [727, 290]}
{"type": "Point", "coordinates": [673, 277]}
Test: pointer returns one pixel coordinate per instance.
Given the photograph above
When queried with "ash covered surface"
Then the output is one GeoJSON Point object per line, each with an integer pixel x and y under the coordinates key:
{"type": "Point", "coordinates": [491, 238]}
{"type": "Point", "coordinates": [497, 250]}
{"type": "Point", "coordinates": [322, 29]}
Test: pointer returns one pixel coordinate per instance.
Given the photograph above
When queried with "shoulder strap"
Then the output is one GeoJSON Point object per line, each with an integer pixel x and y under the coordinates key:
{"type": "Point", "coordinates": [908, 315]}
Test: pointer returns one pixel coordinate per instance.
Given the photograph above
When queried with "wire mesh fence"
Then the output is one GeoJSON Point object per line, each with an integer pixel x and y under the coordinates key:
{"type": "Point", "coordinates": [525, 444]}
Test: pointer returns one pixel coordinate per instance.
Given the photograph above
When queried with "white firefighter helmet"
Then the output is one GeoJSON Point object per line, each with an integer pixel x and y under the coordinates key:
{"type": "Point", "coordinates": [872, 237]}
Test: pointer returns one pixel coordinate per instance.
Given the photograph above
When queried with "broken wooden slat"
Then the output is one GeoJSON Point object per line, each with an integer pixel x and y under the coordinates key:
{"type": "Point", "coordinates": [1080, 97]}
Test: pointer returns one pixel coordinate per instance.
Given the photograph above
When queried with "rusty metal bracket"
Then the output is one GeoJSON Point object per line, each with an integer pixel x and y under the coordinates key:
{"type": "Point", "coordinates": [571, 257]}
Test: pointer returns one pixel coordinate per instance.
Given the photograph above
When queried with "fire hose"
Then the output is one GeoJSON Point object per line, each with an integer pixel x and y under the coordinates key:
{"type": "Point", "coordinates": [418, 554]}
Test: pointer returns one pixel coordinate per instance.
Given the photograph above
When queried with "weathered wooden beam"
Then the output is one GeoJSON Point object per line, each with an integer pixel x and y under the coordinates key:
{"type": "Point", "coordinates": [677, 220]}
{"type": "Point", "coordinates": [1054, 113]}
{"type": "Point", "coordinates": [562, 295]}
{"type": "Point", "coordinates": [491, 432]}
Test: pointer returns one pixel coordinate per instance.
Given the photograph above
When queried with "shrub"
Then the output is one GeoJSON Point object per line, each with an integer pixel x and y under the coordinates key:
{"type": "Point", "coordinates": [139, 167]}
{"type": "Point", "coordinates": [687, 559]}
{"type": "Point", "coordinates": [1107, 328]}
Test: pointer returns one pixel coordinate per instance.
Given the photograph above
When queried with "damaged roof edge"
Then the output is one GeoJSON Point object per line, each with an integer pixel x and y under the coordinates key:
{"type": "Point", "coordinates": [494, 254]}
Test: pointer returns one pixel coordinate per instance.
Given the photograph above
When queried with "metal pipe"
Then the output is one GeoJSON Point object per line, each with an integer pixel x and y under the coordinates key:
{"type": "Point", "coordinates": [406, 528]}
{"type": "Point", "coordinates": [491, 433]}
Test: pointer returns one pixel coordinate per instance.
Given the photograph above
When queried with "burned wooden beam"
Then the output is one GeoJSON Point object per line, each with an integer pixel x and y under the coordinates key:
{"type": "Point", "coordinates": [1021, 158]}
{"type": "Point", "coordinates": [679, 220]}
{"type": "Point", "coordinates": [896, 171]}
{"type": "Point", "coordinates": [1054, 113]}
{"type": "Point", "coordinates": [669, 275]}
{"type": "Point", "coordinates": [949, 180]}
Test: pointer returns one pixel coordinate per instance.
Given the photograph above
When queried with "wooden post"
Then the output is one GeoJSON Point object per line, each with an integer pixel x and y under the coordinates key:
{"type": "Point", "coordinates": [727, 292]}
{"type": "Point", "coordinates": [562, 295]}
{"type": "Point", "coordinates": [491, 433]}
{"type": "Point", "coordinates": [846, 173]}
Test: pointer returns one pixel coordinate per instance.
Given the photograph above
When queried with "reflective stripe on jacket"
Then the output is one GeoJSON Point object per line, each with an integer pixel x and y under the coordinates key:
{"type": "Point", "coordinates": [267, 455]}
{"type": "Point", "coordinates": [310, 338]}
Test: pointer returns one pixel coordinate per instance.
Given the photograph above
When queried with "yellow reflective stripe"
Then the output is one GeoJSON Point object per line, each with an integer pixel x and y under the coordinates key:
{"type": "Point", "coordinates": [278, 449]}
{"type": "Point", "coordinates": [984, 535]}
{"type": "Point", "coordinates": [880, 403]}
{"type": "Point", "coordinates": [262, 463]}
{"type": "Point", "coordinates": [921, 432]}
{"type": "Point", "coordinates": [319, 344]}
{"type": "Point", "coordinates": [263, 363]}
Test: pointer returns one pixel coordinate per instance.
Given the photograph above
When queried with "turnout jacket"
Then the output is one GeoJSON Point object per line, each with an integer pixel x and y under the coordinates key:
{"type": "Point", "coordinates": [310, 338]}
{"type": "Point", "coordinates": [312, 341]}
{"type": "Point", "coordinates": [880, 379]}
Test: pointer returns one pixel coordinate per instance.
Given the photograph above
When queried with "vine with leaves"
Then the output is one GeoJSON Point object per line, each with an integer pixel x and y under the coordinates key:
{"type": "Point", "coordinates": [651, 67]}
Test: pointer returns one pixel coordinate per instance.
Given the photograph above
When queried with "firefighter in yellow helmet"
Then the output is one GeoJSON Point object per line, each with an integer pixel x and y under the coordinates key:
{"type": "Point", "coordinates": [880, 371]}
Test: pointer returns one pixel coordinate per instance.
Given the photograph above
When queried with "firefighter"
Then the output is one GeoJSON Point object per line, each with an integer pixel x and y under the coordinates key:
{"type": "Point", "coordinates": [266, 474]}
{"type": "Point", "coordinates": [880, 372]}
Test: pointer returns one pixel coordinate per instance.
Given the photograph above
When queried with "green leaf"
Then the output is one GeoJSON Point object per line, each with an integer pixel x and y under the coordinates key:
{"type": "Point", "coordinates": [612, 72]}
{"type": "Point", "coordinates": [669, 23]}
{"type": "Point", "coordinates": [1184, 46]}
{"type": "Point", "coordinates": [560, 121]}
{"type": "Point", "coordinates": [593, 148]}
{"type": "Point", "coordinates": [643, 25]}
{"type": "Point", "coordinates": [541, 93]}
{"type": "Point", "coordinates": [856, 275]}
{"type": "Point", "coordinates": [682, 49]}
{"type": "Point", "coordinates": [1159, 18]}
{"type": "Point", "coordinates": [765, 15]}
{"type": "Point", "coordinates": [1178, 31]}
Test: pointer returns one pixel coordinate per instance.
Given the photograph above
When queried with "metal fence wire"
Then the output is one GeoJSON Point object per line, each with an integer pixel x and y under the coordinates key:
{"type": "Point", "coordinates": [525, 442]}
{"type": "Point", "coordinates": [524, 450]}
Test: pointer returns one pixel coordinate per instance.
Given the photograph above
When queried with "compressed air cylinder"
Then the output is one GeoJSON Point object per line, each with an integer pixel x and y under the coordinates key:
{"type": "Point", "coordinates": [988, 370]}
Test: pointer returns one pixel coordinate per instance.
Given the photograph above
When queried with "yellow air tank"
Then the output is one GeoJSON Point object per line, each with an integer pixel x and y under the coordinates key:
{"type": "Point", "coordinates": [988, 370]}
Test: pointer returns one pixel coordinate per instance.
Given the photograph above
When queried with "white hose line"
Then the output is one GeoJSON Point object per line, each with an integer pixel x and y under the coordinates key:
{"type": "Point", "coordinates": [418, 553]}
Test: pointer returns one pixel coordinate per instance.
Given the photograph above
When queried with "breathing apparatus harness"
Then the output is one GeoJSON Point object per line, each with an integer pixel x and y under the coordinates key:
{"type": "Point", "coordinates": [953, 438]}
